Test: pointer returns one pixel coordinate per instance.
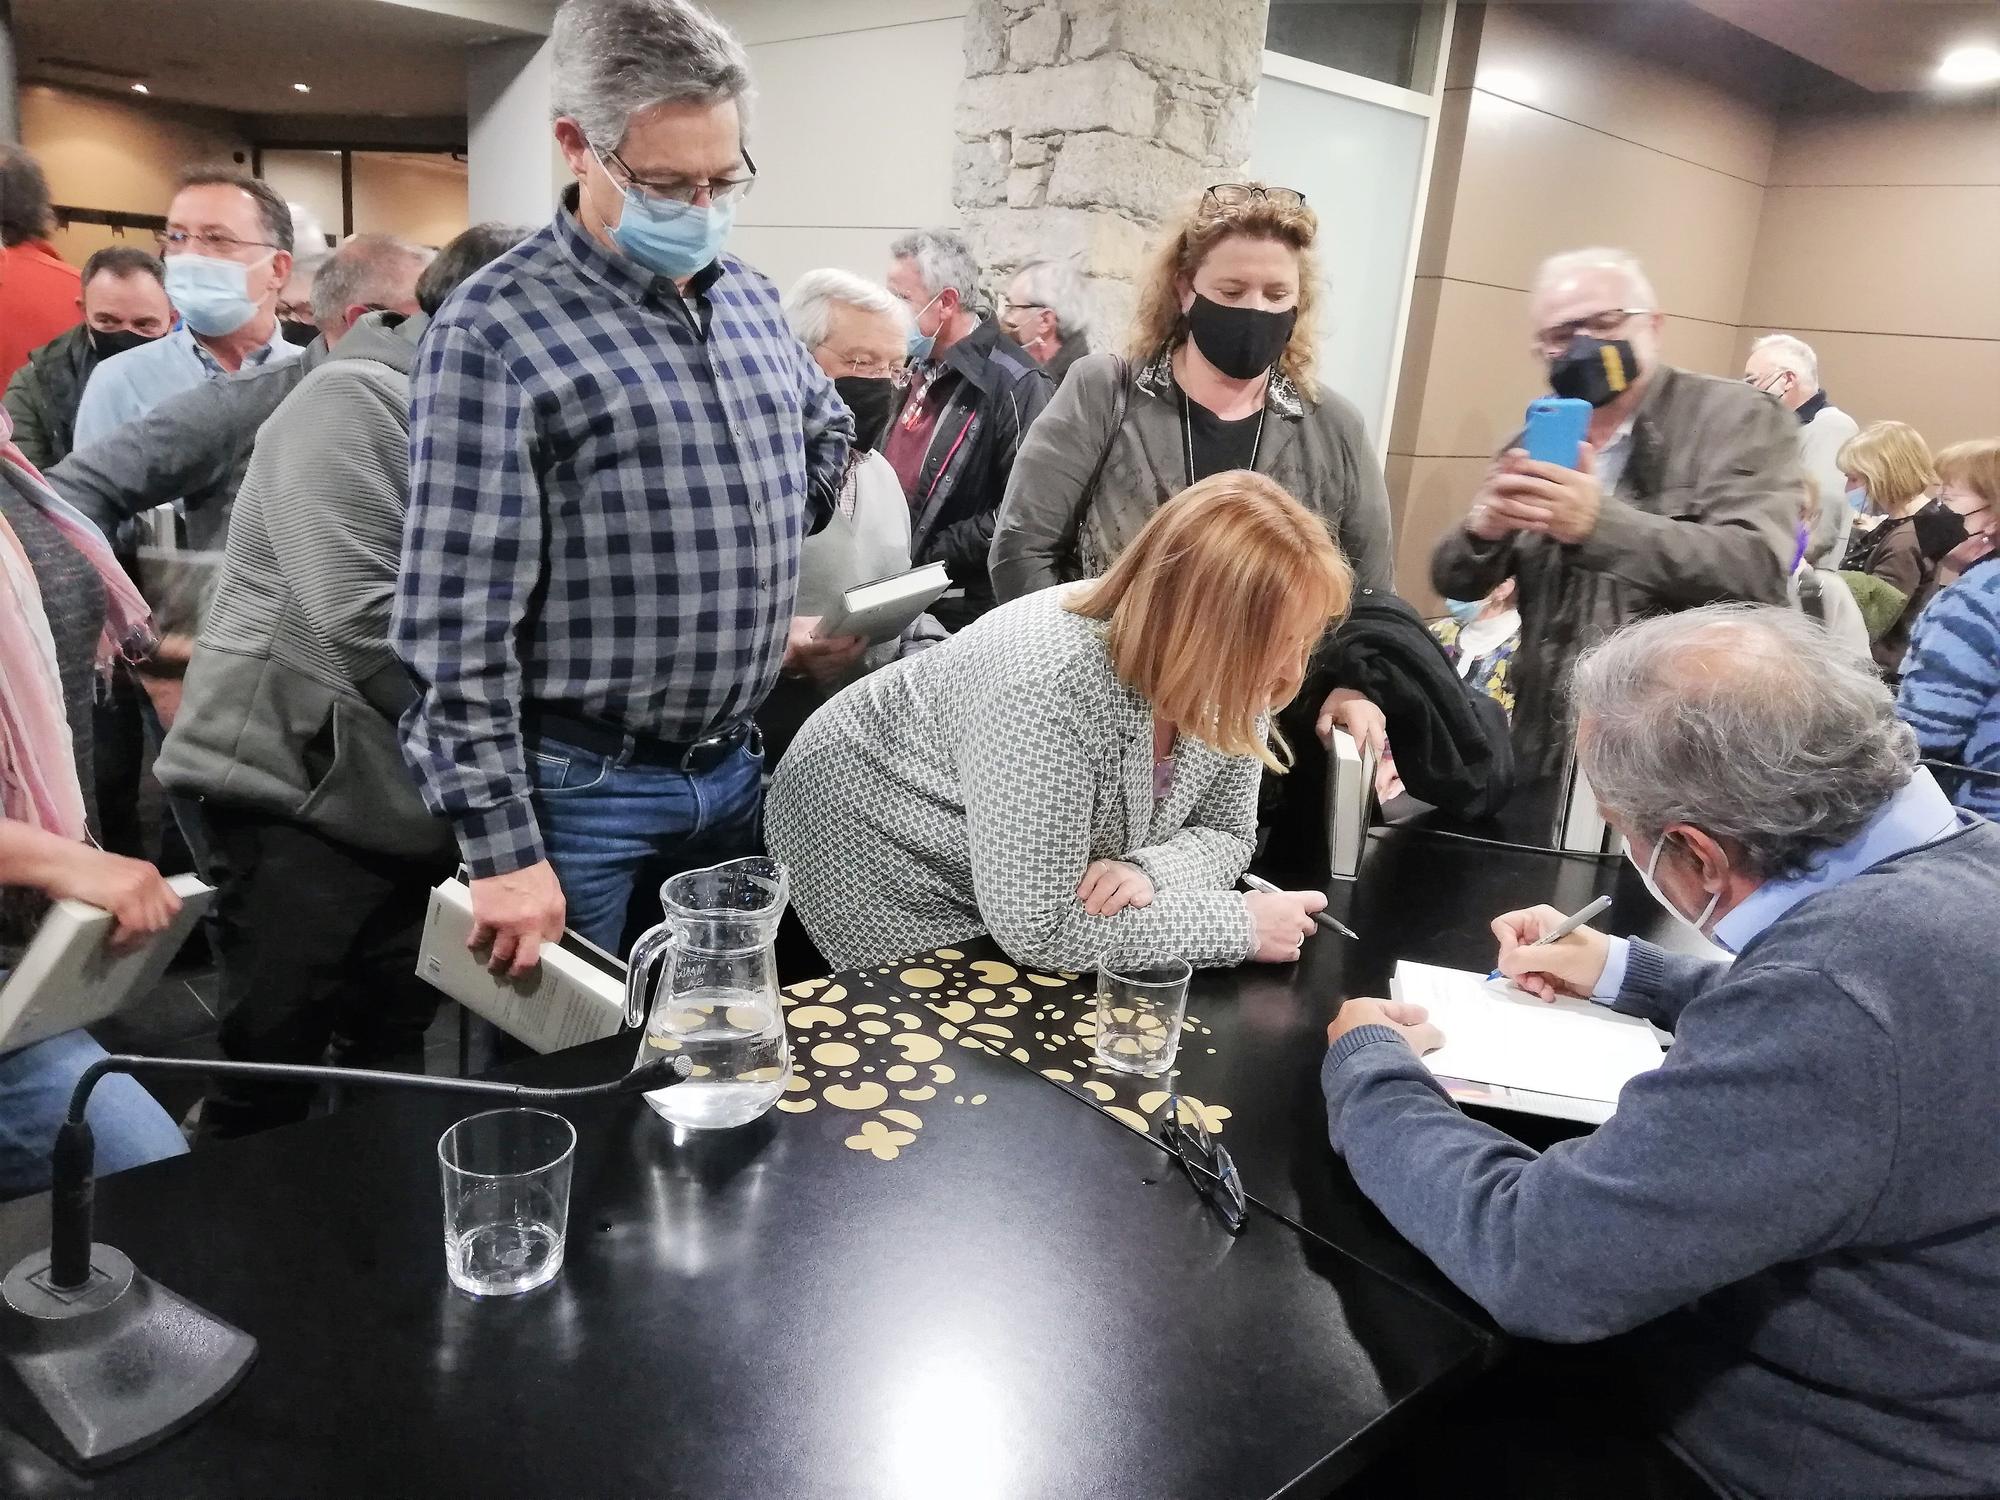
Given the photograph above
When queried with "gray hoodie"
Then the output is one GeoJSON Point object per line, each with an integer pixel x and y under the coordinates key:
{"type": "Point", "coordinates": [292, 698]}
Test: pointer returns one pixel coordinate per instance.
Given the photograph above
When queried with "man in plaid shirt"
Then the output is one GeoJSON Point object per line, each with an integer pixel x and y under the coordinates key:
{"type": "Point", "coordinates": [617, 447]}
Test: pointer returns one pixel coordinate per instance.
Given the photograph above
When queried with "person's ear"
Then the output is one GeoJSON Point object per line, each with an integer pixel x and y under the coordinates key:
{"type": "Point", "coordinates": [577, 155]}
{"type": "Point", "coordinates": [1706, 855]}
{"type": "Point", "coordinates": [281, 271]}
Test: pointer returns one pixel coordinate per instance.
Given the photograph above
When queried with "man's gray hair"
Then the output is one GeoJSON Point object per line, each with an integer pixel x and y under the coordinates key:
{"type": "Point", "coordinates": [369, 268]}
{"type": "Point", "coordinates": [1058, 286]}
{"type": "Point", "coordinates": [809, 304]}
{"type": "Point", "coordinates": [613, 58]}
{"type": "Point", "coordinates": [944, 260]}
{"type": "Point", "coordinates": [1750, 722]}
{"type": "Point", "coordinates": [1601, 258]}
{"type": "Point", "coordinates": [1788, 352]}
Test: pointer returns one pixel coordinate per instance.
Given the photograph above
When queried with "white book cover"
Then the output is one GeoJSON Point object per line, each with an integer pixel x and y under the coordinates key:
{"type": "Point", "coordinates": [1507, 1040]}
{"type": "Point", "coordinates": [568, 999]}
{"type": "Point", "coordinates": [883, 609]}
{"type": "Point", "coordinates": [1350, 803]}
{"type": "Point", "coordinates": [70, 976]}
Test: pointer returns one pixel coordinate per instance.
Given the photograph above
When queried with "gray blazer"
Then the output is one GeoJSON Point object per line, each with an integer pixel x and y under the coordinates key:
{"type": "Point", "coordinates": [1318, 450]}
{"type": "Point", "coordinates": [965, 790]}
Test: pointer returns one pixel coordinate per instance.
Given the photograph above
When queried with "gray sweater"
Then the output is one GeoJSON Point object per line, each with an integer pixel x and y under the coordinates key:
{"type": "Point", "coordinates": [292, 698]}
{"type": "Point", "coordinates": [1802, 1204]}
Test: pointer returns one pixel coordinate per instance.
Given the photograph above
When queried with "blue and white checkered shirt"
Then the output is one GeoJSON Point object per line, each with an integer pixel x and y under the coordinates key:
{"type": "Point", "coordinates": [608, 489]}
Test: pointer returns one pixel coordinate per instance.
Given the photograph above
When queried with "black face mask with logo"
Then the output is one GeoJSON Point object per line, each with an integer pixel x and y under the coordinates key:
{"type": "Point", "coordinates": [104, 345]}
{"type": "Point", "coordinates": [1595, 370]}
{"type": "Point", "coordinates": [872, 399]}
{"type": "Point", "coordinates": [1241, 342]}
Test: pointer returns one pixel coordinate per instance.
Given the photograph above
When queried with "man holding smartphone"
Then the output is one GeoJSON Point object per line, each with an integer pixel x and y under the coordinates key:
{"type": "Point", "coordinates": [1685, 492]}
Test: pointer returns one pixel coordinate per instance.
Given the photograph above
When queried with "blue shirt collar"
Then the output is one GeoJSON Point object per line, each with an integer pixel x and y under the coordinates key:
{"type": "Point", "coordinates": [213, 367]}
{"type": "Point", "coordinates": [1919, 814]}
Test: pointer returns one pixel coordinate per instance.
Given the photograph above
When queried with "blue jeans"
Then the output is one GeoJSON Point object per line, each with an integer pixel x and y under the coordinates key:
{"type": "Point", "coordinates": [612, 828]}
{"type": "Point", "coordinates": [128, 1126]}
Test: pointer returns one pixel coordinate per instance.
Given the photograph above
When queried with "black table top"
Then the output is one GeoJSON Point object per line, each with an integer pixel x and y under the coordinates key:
{"type": "Point", "coordinates": [975, 1287]}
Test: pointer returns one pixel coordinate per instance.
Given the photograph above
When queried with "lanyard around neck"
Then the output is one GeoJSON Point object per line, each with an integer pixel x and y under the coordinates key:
{"type": "Point", "coordinates": [1187, 434]}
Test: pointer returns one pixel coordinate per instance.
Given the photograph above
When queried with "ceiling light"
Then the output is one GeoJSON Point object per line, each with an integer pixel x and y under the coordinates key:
{"type": "Point", "coordinates": [1976, 64]}
{"type": "Point", "coordinates": [302, 88]}
{"type": "Point", "coordinates": [140, 88]}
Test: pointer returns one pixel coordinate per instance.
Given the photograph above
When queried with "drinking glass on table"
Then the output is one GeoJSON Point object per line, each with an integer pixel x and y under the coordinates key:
{"type": "Point", "coordinates": [1139, 1009]}
{"type": "Point", "coordinates": [506, 1199]}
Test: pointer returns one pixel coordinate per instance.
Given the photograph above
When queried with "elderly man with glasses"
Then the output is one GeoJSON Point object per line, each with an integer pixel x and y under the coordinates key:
{"type": "Point", "coordinates": [617, 448]}
{"type": "Point", "coordinates": [1791, 1227]}
{"type": "Point", "coordinates": [228, 250]}
{"type": "Point", "coordinates": [1685, 492]}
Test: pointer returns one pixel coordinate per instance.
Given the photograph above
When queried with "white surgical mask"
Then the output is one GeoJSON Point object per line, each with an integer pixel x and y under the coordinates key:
{"type": "Point", "coordinates": [1646, 873]}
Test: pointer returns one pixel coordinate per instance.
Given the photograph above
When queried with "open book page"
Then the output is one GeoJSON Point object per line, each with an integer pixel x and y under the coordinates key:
{"type": "Point", "coordinates": [1496, 1034]}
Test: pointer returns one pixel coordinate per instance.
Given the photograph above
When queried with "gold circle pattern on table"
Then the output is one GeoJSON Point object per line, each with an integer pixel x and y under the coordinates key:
{"type": "Point", "coordinates": [865, 1053]}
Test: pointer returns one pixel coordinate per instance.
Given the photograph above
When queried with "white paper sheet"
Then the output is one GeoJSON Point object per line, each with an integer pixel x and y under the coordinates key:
{"type": "Point", "coordinates": [1496, 1034]}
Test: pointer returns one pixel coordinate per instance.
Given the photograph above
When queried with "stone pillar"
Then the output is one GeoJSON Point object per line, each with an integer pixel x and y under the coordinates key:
{"type": "Point", "coordinates": [10, 81]}
{"type": "Point", "coordinates": [1083, 123]}
{"type": "Point", "coordinates": [514, 171]}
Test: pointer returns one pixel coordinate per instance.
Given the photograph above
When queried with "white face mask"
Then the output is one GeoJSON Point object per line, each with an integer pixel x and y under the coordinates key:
{"type": "Point", "coordinates": [1646, 874]}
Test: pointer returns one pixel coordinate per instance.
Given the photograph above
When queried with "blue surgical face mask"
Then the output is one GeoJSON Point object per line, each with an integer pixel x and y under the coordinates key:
{"type": "Point", "coordinates": [919, 345]}
{"type": "Point", "coordinates": [1465, 611]}
{"type": "Point", "coordinates": [1857, 499]}
{"type": "Point", "coordinates": [212, 296]}
{"type": "Point", "coordinates": [670, 238]}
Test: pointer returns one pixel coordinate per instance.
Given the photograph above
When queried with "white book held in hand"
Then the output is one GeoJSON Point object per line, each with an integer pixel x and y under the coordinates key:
{"type": "Point", "coordinates": [1566, 1059]}
{"type": "Point", "coordinates": [1350, 803]}
{"type": "Point", "coordinates": [883, 609]}
{"type": "Point", "coordinates": [70, 975]}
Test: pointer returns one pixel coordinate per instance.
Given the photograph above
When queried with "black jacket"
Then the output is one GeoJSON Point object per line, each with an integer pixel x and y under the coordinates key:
{"type": "Point", "coordinates": [1451, 743]}
{"type": "Point", "coordinates": [971, 454]}
{"type": "Point", "coordinates": [44, 394]}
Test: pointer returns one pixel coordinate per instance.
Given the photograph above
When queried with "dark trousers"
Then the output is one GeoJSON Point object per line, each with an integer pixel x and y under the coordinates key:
{"type": "Point", "coordinates": [317, 944]}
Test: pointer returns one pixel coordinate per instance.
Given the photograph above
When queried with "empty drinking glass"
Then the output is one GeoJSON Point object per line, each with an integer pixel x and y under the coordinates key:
{"type": "Point", "coordinates": [506, 1199]}
{"type": "Point", "coordinates": [1139, 1016]}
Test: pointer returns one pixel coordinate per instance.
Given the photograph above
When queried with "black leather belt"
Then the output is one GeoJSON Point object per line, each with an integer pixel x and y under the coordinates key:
{"type": "Point", "coordinates": [632, 749]}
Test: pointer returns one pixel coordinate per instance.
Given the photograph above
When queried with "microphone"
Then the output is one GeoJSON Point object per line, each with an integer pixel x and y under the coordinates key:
{"type": "Point", "coordinates": [100, 1362]}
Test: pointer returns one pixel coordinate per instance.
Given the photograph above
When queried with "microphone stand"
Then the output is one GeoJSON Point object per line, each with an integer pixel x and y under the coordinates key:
{"type": "Point", "coordinates": [98, 1361]}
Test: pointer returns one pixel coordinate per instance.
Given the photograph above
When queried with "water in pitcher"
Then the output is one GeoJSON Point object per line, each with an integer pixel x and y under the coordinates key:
{"type": "Point", "coordinates": [736, 1041]}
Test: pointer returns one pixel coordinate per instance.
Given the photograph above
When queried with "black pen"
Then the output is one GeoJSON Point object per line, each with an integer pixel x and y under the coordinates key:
{"type": "Point", "coordinates": [1327, 923]}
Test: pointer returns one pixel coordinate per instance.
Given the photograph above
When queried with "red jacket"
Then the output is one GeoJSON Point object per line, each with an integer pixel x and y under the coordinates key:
{"type": "Point", "coordinates": [38, 301]}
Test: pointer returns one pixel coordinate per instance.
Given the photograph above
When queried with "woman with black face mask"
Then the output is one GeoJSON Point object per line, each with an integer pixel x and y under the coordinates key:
{"type": "Point", "coordinates": [1219, 376]}
{"type": "Point", "coordinates": [857, 332]}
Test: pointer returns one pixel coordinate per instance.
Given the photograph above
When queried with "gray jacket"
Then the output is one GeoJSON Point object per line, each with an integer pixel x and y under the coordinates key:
{"type": "Point", "coordinates": [1707, 510]}
{"type": "Point", "coordinates": [193, 447]}
{"type": "Point", "coordinates": [292, 699]}
{"type": "Point", "coordinates": [1318, 451]}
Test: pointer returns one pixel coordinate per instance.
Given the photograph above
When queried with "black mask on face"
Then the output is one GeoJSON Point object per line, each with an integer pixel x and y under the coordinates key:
{"type": "Point", "coordinates": [296, 332]}
{"type": "Point", "coordinates": [1595, 370]}
{"type": "Point", "coordinates": [872, 399]}
{"type": "Point", "coordinates": [1939, 528]}
{"type": "Point", "coordinates": [1241, 342]}
{"type": "Point", "coordinates": [107, 344]}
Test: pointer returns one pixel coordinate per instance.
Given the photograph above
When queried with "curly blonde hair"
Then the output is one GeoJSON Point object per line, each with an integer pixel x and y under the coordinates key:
{"type": "Point", "coordinates": [1157, 326]}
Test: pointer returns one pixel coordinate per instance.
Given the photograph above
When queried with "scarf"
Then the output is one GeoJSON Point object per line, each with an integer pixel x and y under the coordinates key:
{"type": "Point", "coordinates": [38, 783]}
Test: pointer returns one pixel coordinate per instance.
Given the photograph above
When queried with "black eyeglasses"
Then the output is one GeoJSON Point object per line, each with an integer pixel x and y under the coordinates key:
{"type": "Point", "coordinates": [687, 189]}
{"type": "Point", "coordinates": [1209, 1167]}
{"type": "Point", "coordinates": [1236, 194]}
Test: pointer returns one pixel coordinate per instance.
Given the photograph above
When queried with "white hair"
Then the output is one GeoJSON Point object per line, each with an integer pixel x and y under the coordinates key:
{"type": "Point", "coordinates": [1600, 258]}
{"type": "Point", "coordinates": [1751, 722]}
{"type": "Point", "coordinates": [613, 58]}
{"type": "Point", "coordinates": [809, 304]}
{"type": "Point", "coordinates": [1056, 285]}
{"type": "Point", "coordinates": [1790, 353]}
{"type": "Point", "coordinates": [944, 260]}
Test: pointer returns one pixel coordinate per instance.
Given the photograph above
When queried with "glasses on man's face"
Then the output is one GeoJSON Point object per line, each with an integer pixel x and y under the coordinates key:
{"type": "Point", "coordinates": [867, 369]}
{"type": "Point", "coordinates": [1236, 194]}
{"type": "Point", "coordinates": [1209, 1167]}
{"type": "Point", "coordinates": [1599, 325]}
{"type": "Point", "coordinates": [690, 189]}
{"type": "Point", "coordinates": [225, 246]}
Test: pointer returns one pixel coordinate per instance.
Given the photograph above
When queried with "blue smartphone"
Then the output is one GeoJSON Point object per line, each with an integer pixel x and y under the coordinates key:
{"type": "Point", "coordinates": [1556, 426]}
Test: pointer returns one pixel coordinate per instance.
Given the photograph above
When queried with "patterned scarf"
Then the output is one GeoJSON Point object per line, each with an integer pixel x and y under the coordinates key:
{"type": "Point", "coordinates": [38, 783]}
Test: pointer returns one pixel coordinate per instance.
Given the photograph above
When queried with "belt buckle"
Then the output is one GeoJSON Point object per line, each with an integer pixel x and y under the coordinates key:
{"type": "Point", "coordinates": [706, 753]}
